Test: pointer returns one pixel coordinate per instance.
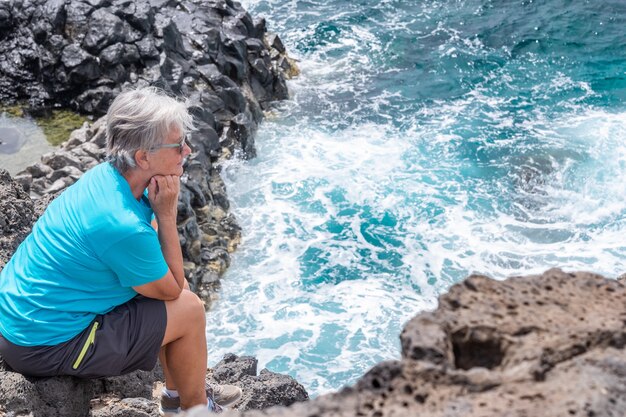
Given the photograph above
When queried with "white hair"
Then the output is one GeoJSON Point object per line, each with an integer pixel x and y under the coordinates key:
{"type": "Point", "coordinates": [142, 119]}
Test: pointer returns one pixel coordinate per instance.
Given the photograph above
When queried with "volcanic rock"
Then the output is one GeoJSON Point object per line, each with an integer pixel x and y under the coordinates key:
{"type": "Point", "coordinates": [134, 394]}
{"type": "Point", "coordinates": [542, 345]}
{"type": "Point", "coordinates": [16, 216]}
{"type": "Point", "coordinates": [90, 51]}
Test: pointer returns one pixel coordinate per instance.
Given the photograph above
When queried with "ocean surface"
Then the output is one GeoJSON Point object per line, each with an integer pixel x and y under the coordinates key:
{"type": "Point", "coordinates": [424, 141]}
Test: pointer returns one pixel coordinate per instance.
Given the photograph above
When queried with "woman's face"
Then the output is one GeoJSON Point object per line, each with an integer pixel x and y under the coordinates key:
{"type": "Point", "coordinates": [169, 160]}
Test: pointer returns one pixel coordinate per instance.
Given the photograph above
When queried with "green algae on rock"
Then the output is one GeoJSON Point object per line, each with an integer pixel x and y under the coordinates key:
{"type": "Point", "coordinates": [12, 111]}
{"type": "Point", "coordinates": [58, 126]}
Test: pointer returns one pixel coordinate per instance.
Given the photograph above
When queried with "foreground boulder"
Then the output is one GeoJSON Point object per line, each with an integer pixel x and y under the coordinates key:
{"type": "Point", "coordinates": [136, 394]}
{"type": "Point", "coordinates": [543, 345]}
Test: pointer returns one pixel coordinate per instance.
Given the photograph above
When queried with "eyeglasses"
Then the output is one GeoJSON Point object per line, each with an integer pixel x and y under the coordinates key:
{"type": "Point", "coordinates": [180, 145]}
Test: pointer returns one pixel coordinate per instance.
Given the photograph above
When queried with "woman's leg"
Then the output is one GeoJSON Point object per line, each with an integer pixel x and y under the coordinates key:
{"type": "Point", "coordinates": [184, 351]}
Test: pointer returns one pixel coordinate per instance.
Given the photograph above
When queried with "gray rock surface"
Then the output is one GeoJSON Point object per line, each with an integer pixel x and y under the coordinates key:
{"type": "Point", "coordinates": [51, 397]}
{"type": "Point", "coordinates": [135, 394]}
{"type": "Point", "coordinates": [259, 391]}
{"type": "Point", "coordinates": [16, 216]}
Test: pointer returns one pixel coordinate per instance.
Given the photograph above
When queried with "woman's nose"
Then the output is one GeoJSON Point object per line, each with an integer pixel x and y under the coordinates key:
{"type": "Point", "coordinates": [186, 149]}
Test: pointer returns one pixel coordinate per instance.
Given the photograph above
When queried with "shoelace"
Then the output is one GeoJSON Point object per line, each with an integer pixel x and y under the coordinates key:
{"type": "Point", "coordinates": [212, 405]}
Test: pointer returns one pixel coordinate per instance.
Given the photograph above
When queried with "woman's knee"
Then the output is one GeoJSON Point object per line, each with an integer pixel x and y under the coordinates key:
{"type": "Point", "coordinates": [187, 311]}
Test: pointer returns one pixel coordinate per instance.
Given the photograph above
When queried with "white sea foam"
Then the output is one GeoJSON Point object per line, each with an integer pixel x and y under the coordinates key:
{"type": "Point", "coordinates": [362, 207]}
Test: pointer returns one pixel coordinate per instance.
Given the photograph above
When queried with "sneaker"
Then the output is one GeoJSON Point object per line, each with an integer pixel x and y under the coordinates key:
{"type": "Point", "coordinates": [224, 395]}
{"type": "Point", "coordinates": [218, 396]}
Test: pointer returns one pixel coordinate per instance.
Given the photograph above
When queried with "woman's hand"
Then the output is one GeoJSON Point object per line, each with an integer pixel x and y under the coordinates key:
{"type": "Point", "coordinates": [163, 195]}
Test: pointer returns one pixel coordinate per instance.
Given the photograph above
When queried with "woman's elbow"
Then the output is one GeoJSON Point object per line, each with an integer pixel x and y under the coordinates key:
{"type": "Point", "coordinates": [172, 294]}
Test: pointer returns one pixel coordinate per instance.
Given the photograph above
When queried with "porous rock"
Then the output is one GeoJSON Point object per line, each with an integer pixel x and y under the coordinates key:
{"type": "Point", "coordinates": [260, 391]}
{"type": "Point", "coordinates": [39, 397]}
{"type": "Point", "coordinates": [16, 216]}
{"type": "Point", "coordinates": [233, 368]}
{"type": "Point", "coordinates": [126, 407]}
{"type": "Point", "coordinates": [542, 345]}
{"type": "Point", "coordinates": [135, 394]}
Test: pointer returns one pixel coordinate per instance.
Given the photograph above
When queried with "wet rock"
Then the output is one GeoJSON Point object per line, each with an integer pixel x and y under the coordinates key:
{"type": "Point", "coordinates": [77, 20]}
{"type": "Point", "coordinates": [147, 49]}
{"type": "Point", "coordinates": [139, 14]}
{"type": "Point", "coordinates": [95, 101]}
{"type": "Point", "coordinates": [242, 128]}
{"type": "Point", "coordinates": [73, 56]}
{"type": "Point", "coordinates": [105, 29]}
{"type": "Point", "coordinates": [112, 54]}
{"type": "Point", "coordinates": [5, 17]}
{"type": "Point", "coordinates": [62, 52]}
{"type": "Point", "coordinates": [274, 42]}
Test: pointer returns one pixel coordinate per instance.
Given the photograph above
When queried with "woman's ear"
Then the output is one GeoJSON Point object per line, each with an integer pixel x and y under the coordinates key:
{"type": "Point", "coordinates": [141, 159]}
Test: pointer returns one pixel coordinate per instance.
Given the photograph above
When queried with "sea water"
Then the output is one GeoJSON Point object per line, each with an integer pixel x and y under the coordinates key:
{"type": "Point", "coordinates": [423, 141]}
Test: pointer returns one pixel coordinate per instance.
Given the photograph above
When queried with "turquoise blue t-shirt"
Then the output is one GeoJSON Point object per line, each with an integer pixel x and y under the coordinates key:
{"type": "Point", "coordinates": [91, 245]}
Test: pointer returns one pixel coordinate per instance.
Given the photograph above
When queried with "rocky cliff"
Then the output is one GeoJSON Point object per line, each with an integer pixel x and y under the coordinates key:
{"type": "Point", "coordinates": [81, 54]}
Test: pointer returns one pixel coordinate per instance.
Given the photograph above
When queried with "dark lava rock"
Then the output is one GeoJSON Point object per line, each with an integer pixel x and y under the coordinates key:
{"type": "Point", "coordinates": [39, 397]}
{"type": "Point", "coordinates": [70, 53]}
{"type": "Point", "coordinates": [259, 391]}
{"type": "Point", "coordinates": [233, 368]}
{"type": "Point", "coordinates": [16, 216]}
{"type": "Point", "coordinates": [132, 394]}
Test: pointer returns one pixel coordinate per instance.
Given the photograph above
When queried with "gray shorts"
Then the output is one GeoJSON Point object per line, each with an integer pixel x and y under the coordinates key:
{"type": "Point", "coordinates": [125, 339]}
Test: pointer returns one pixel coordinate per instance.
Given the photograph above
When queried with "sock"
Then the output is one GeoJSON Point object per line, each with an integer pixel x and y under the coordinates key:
{"type": "Point", "coordinates": [172, 393]}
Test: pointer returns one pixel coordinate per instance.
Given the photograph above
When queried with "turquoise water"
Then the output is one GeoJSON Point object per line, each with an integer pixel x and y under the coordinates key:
{"type": "Point", "coordinates": [424, 141]}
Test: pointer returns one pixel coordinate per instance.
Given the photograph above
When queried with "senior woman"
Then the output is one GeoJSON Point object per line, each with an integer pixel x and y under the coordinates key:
{"type": "Point", "coordinates": [98, 289]}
